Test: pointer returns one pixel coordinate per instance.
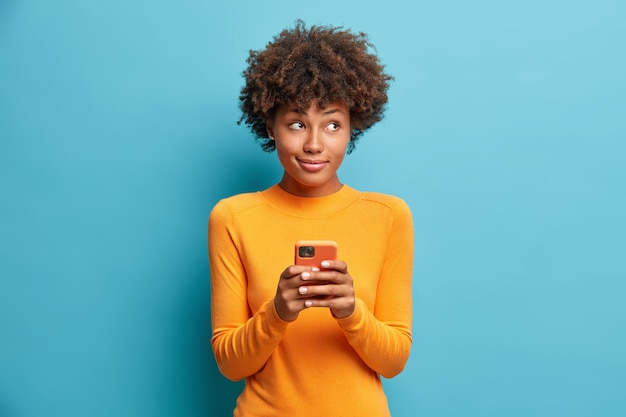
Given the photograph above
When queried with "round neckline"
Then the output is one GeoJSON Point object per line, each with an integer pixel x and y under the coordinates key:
{"type": "Point", "coordinates": [299, 206]}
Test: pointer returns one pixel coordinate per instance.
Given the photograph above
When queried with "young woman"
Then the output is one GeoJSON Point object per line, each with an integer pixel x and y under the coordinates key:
{"type": "Point", "coordinates": [311, 341]}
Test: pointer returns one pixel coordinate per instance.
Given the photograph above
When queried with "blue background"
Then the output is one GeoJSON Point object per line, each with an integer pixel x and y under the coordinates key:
{"type": "Point", "coordinates": [505, 133]}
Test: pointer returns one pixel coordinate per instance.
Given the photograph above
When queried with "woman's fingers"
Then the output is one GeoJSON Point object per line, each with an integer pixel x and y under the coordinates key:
{"type": "Point", "coordinates": [332, 288]}
{"type": "Point", "coordinates": [340, 299]}
{"type": "Point", "coordinates": [287, 300]}
{"type": "Point", "coordinates": [295, 271]}
{"type": "Point", "coordinates": [302, 287]}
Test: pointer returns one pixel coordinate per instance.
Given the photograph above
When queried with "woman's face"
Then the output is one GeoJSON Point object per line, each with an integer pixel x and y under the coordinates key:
{"type": "Point", "coordinates": [311, 145]}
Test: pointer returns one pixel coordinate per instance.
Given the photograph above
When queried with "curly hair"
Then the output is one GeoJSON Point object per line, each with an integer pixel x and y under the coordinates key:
{"type": "Point", "coordinates": [322, 64]}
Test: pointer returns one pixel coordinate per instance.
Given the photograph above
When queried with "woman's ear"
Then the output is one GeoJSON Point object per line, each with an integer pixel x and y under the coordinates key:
{"type": "Point", "coordinates": [269, 126]}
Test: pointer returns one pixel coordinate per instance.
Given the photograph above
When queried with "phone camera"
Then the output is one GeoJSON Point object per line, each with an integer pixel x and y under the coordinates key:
{"type": "Point", "coordinates": [306, 251]}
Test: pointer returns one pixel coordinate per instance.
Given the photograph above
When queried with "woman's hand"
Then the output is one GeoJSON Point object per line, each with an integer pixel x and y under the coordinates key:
{"type": "Point", "coordinates": [301, 287]}
{"type": "Point", "coordinates": [288, 300]}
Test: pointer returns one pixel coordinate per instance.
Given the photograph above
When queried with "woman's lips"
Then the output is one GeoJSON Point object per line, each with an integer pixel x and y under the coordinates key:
{"type": "Point", "coordinates": [311, 165]}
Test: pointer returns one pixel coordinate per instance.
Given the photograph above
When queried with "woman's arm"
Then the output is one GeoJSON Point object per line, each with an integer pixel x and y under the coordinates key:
{"type": "Point", "coordinates": [241, 342]}
{"type": "Point", "coordinates": [382, 337]}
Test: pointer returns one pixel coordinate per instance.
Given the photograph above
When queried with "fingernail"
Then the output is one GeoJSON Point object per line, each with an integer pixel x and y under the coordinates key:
{"type": "Point", "coordinates": [315, 269]}
{"type": "Point", "coordinates": [308, 303]}
{"type": "Point", "coordinates": [305, 275]}
{"type": "Point", "coordinates": [325, 264]}
{"type": "Point", "coordinates": [302, 290]}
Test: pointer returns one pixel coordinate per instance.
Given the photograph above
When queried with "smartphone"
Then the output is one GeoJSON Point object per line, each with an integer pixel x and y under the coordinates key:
{"type": "Point", "coordinates": [313, 252]}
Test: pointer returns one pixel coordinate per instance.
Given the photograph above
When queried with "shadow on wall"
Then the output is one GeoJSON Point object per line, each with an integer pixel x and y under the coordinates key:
{"type": "Point", "coordinates": [4, 408]}
{"type": "Point", "coordinates": [6, 6]}
{"type": "Point", "coordinates": [208, 392]}
{"type": "Point", "coordinates": [239, 167]}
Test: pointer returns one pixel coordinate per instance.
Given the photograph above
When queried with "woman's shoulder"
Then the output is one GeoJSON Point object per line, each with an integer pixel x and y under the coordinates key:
{"type": "Point", "coordinates": [389, 200]}
{"type": "Point", "coordinates": [236, 203]}
{"type": "Point", "coordinates": [387, 206]}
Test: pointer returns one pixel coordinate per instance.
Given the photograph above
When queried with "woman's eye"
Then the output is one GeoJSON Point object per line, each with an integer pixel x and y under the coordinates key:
{"type": "Point", "coordinates": [333, 127]}
{"type": "Point", "coordinates": [296, 126]}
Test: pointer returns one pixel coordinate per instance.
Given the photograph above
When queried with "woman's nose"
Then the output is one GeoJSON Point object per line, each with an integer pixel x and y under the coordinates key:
{"type": "Point", "coordinates": [314, 142]}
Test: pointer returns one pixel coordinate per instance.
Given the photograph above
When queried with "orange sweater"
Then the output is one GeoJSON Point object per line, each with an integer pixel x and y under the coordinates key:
{"type": "Point", "coordinates": [316, 365]}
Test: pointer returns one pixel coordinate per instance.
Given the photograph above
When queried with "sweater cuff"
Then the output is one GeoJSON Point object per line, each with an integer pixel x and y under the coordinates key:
{"type": "Point", "coordinates": [356, 320]}
{"type": "Point", "coordinates": [272, 318]}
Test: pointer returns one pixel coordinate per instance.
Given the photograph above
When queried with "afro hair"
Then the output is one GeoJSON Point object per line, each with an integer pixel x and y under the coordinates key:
{"type": "Point", "coordinates": [321, 64]}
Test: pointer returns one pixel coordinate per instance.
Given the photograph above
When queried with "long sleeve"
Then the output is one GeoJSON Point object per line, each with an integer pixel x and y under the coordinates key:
{"type": "Point", "coordinates": [241, 343]}
{"type": "Point", "coordinates": [382, 338]}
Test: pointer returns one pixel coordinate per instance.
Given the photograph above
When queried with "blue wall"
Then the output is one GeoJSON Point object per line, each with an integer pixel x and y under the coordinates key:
{"type": "Point", "coordinates": [505, 133]}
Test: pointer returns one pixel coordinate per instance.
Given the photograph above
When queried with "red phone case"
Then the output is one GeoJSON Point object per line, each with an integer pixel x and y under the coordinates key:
{"type": "Point", "coordinates": [323, 250]}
